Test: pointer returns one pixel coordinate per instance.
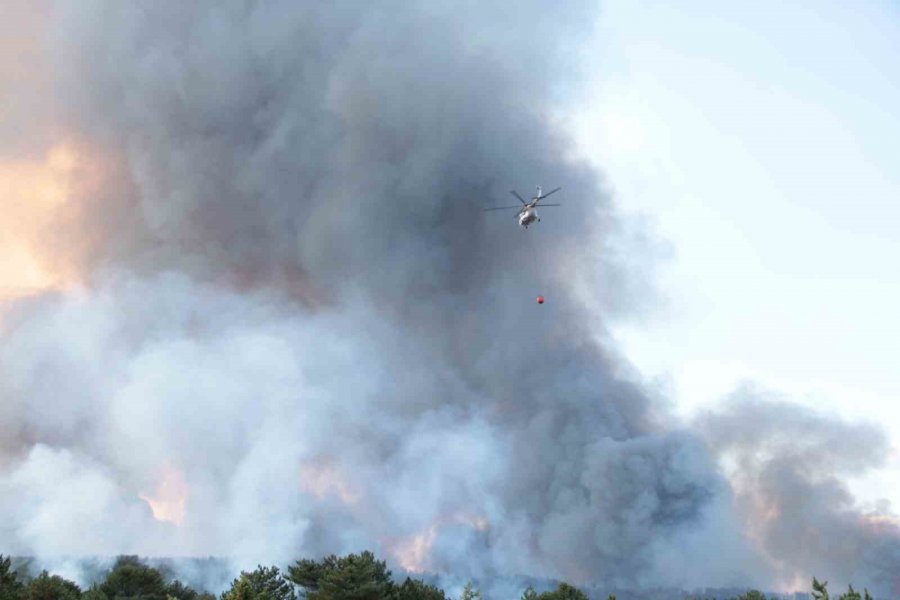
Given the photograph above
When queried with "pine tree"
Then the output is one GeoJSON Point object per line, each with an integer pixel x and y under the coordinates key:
{"type": "Point", "coordinates": [93, 593]}
{"type": "Point", "coordinates": [470, 592]}
{"type": "Point", "coordinates": [52, 587]}
{"type": "Point", "coordinates": [263, 583]}
{"type": "Point", "coordinates": [851, 594]}
{"type": "Point", "coordinates": [179, 591]}
{"type": "Point", "coordinates": [130, 579]}
{"type": "Point", "coordinates": [242, 589]}
{"type": "Point", "coordinates": [11, 588]}
{"type": "Point", "coordinates": [353, 577]}
{"type": "Point", "coordinates": [820, 589]}
{"type": "Point", "coordinates": [565, 592]}
{"type": "Point", "coordinates": [413, 589]}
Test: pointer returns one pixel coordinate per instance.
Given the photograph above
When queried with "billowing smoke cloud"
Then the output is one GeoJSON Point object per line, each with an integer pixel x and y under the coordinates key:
{"type": "Point", "coordinates": [297, 333]}
{"type": "Point", "coordinates": [26, 123]}
{"type": "Point", "coordinates": [790, 467]}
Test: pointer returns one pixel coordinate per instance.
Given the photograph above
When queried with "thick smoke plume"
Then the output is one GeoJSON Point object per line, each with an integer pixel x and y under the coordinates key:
{"type": "Point", "coordinates": [296, 333]}
{"type": "Point", "coordinates": [790, 471]}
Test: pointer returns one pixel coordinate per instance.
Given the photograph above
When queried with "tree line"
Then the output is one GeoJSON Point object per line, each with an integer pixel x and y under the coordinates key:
{"type": "Point", "coordinates": [351, 577]}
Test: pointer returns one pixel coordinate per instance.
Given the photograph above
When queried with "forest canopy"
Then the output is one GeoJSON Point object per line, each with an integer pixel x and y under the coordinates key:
{"type": "Point", "coordinates": [352, 577]}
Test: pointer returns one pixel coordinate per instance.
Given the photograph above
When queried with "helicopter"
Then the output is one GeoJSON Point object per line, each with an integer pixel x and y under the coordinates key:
{"type": "Point", "coordinates": [528, 211]}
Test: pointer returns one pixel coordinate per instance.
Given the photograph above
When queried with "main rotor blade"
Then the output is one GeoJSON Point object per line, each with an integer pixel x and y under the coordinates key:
{"type": "Point", "coordinates": [548, 193]}
{"type": "Point", "coordinates": [543, 205]}
{"type": "Point", "coordinates": [513, 192]}
{"type": "Point", "coordinates": [502, 208]}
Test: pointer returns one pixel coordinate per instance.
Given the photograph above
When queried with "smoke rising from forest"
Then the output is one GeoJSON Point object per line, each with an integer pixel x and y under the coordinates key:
{"type": "Point", "coordinates": [293, 332]}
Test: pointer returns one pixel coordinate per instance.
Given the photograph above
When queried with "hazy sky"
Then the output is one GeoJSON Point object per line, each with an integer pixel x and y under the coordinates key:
{"type": "Point", "coordinates": [762, 141]}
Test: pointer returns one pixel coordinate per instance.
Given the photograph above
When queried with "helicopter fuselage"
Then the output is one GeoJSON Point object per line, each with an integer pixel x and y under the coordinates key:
{"type": "Point", "coordinates": [528, 216]}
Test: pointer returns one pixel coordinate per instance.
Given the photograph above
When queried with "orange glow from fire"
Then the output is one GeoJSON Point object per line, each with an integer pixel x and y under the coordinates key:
{"type": "Point", "coordinates": [322, 478]}
{"type": "Point", "coordinates": [169, 500]}
{"type": "Point", "coordinates": [35, 201]}
{"type": "Point", "coordinates": [761, 512]}
{"type": "Point", "coordinates": [881, 522]}
{"type": "Point", "coordinates": [413, 552]}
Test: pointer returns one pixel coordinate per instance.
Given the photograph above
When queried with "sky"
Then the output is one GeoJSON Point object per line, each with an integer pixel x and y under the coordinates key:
{"type": "Point", "coordinates": [761, 142]}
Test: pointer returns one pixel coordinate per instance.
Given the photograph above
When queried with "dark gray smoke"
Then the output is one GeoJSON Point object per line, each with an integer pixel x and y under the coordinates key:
{"type": "Point", "coordinates": [298, 321]}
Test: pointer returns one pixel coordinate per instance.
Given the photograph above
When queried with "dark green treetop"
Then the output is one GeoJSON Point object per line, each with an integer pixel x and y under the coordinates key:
{"type": "Point", "coordinates": [819, 589]}
{"type": "Point", "coordinates": [11, 587]}
{"type": "Point", "coordinates": [93, 593]}
{"type": "Point", "coordinates": [854, 595]}
{"type": "Point", "coordinates": [263, 583]}
{"type": "Point", "coordinates": [563, 592]}
{"type": "Point", "coordinates": [352, 577]}
{"type": "Point", "coordinates": [129, 579]}
{"type": "Point", "coordinates": [52, 587]}
{"type": "Point", "coordinates": [414, 589]}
